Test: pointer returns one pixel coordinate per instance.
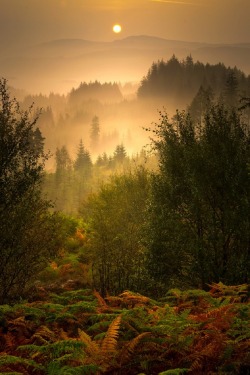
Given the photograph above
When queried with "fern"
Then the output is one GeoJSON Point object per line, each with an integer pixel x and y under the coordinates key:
{"type": "Point", "coordinates": [129, 349]}
{"type": "Point", "coordinates": [101, 302]}
{"type": "Point", "coordinates": [131, 299]}
{"type": "Point", "coordinates": [100, 336]}
{"type": "Point", "coordinates": [54, 350]}
{"type": "Point", "coordinates": [7, 309]}
{"type": "Point", "coordinates": [13, 360]}
{"type": "Point", "coordinates": [110, 341]}
{"type": "Point", "coordinates": [56, 369]}
{"type": "Point", "coordinates": [177, 371]}
{"type": "Point", "coordinates": [99, 327]}
{"type": "Point", "coordinates": [69, 297]}
{"type": "Point", "coordinates": [240, 328]}
{"type": "Point", "coordinates": [103, 317]}
{"type": "Point", "coordinates": [31, 312]}
{"type": "Point", "coordinates": [43, 335]}
{"type": "Point", "coordinates": [81, 307]}
{"type": "Point", "coordinates": [91, 347]}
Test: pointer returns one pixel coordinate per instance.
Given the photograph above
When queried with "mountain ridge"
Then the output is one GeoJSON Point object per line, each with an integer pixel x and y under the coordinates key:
{"type": "Point", "coordinates": [59, 64]}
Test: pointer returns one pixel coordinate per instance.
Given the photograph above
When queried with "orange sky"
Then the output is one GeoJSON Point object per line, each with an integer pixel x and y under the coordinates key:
{"type": "Point", "coordinates": [33, 21]}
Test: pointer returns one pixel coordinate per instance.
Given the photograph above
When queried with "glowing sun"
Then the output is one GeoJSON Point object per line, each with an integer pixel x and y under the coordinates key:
{"type": "Point", "coordinates": [117, 29]}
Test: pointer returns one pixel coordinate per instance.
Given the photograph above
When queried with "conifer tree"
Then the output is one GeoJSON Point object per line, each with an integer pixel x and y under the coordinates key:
{"type": "Point", "coordinates": [95, 132]}
{"type": "Point", "coordinates": [83, 163]}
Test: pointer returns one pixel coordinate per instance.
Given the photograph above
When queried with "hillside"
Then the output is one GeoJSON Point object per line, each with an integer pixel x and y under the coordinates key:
{"type": "Point", "coordinates": [60, 64]}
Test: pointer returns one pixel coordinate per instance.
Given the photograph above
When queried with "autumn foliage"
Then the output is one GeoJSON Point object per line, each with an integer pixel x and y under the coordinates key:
{"type": "Point", "coordinates": [80, 332]}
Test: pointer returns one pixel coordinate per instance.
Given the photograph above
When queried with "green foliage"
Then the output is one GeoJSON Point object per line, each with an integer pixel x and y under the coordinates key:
{"type": "Point", "coordinates": [56, 349]}
{"type": "Point", "coordinates": [54, 368]}
{"type": "Point", "coordinates": [177, 371]}
{"type": "Point", "coordinates": [6, 360]}
{"type": "Point", "coordinates": [199, 225]}
{"type": "Point", "coordinates": [82, 307]}
{"type": "Point", "coordinates": [29, 234]}
{"type": "Point", "coordinates": [116, 218]}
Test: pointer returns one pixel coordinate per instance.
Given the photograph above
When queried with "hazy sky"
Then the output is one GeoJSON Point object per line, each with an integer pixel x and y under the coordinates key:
{"type": "Point", "coordinates": [34, 21]}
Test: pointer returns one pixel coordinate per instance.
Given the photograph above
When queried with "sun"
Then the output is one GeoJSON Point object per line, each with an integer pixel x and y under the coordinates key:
{"type": "Point", "coordinates": [117, 29]}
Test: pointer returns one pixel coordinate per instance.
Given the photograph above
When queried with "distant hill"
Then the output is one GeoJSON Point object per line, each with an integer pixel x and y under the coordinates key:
{"type": "Point", "coordinates": [59, 65]}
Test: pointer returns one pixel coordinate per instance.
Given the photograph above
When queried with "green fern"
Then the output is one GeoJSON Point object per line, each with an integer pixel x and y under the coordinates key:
{"type": "Point", "coordinates": [55, 369]}
{"type": "Point", "coordinates": [55, 350]}
{"type": "Point", "coordinates": [99, 336]}
{"type": "Point", "coordinates": [13, 360]}
{"type": "Point", "coordinates": [129, 349]}
{"type": "Point", "coordinates": [70, 297]}
{"type": "Point", "coordinates": [6, 310]}
{"type": "Point", "coordinates": [81, 307]}
{"type": "Point", "coordinates": [177, 371]}
{"type": "Point", "coordinates": [95, 318]}
{"type": "Point", "coordinates": [11, 373]}
{"type": "Point", "coordinates": [100, 326]}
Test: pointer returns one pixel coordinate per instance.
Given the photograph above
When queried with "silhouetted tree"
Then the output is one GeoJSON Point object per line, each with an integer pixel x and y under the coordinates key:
{"type": "Point", "coordinates": [201, 102]}
{"type": "Point", "coordinates": [120, 154]}
{"type": "Point", "coordinates": [200, 208]}
{"type": "Point", "coordinates": [28, 233]}
{"type": "Point", "coordinates": [182, 80]}
{"type": "Point", "coordinates": [83, 163]}
{"type": "Point", "coordinates": [63, 162]}
{"type": "Point", "coordinates": [231, 91]}
{"type": "Point", "coordinates": [95, 132]}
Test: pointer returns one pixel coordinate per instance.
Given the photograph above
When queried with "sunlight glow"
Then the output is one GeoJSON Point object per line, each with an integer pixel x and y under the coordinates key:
{"type": "Point", "coordinates": [117, 29]}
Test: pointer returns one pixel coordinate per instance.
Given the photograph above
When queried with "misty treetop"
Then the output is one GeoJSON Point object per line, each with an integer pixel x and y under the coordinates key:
{"type": "Point", "coordinates": [104, 92]}
{"type": "Point", "coordinates": [182, 80]}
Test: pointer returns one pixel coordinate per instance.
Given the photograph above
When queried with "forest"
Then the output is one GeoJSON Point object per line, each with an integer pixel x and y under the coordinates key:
{"type": "Point", "coordinates": [125, 225]}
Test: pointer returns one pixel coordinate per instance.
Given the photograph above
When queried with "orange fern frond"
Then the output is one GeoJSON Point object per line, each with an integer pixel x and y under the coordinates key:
{"type": "Point", "coordinates": [101, 301]}
{"type": "Point", "coordinates": [132, 299]}
{"type": "Point", "coordinates": [91, 347]}
{"type": "Point", "coordinates": [10, 342]}
{"type": "Point", "coordinates": [110, 341]}
{"type": "Point", "coordinates": [129, 349]}
{"type": "Point", "coordinates": [197, 363]}
{"type": "Point", "coordinates": [43, 335]}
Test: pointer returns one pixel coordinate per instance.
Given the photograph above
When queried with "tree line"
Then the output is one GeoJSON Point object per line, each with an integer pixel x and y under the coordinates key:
{"type": "Point", "coordinates": [183, 79]}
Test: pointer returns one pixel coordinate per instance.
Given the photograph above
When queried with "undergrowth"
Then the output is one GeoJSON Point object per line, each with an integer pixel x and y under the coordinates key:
{"type": "Point", "coordinates": [80, 332]}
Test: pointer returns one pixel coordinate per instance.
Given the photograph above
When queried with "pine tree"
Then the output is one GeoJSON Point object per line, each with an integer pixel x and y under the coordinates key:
{"type": "Point", "coordinates": [231, 89]}
{"type": "Point", "coordinates": [83, 163]}
{"type": "Point", "coordinates": [95, 132]}
{"type": "Point", "coordinates": [63, 162]}
{"type": "Point", "coordinates": [120, 154]}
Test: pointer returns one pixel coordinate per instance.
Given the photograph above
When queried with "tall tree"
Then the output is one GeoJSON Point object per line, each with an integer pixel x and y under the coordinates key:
{"type": "Point", "coordinates": [63, 162]}
{"type": "Point", "coordinates": [95, 132]}
{"type": "Point", "coordinates": [116, 217]}
{"type": "Point", "coordinates": [83, 163]}
{"type": "Point", "coordinates": [200, 209]}
{"type": "Point", "coordinates": [28, 233]}
{"type": "Point", "coordinates": [120, 154]}
{"type": "Point", "coordinates": [201, 102]}
{"type": "Point", "coordinates": [231, 90]}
